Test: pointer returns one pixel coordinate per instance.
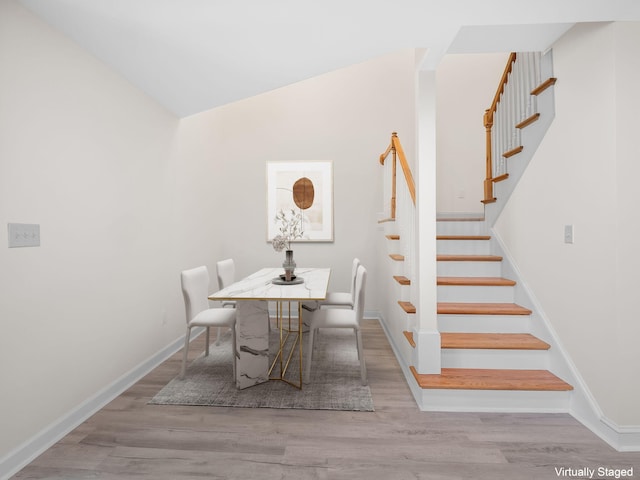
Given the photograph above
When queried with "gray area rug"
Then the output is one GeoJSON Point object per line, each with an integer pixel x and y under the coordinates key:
{"type": "Point", "coordinates": [334, 384]}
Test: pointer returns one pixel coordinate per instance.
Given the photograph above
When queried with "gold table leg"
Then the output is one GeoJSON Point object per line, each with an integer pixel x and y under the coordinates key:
{"type": "Point", "coordinates": [297, 340]}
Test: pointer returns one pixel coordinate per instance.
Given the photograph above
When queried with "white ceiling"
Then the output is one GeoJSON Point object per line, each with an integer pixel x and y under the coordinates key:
{"type": "Point", "coordinates": [193, 55]}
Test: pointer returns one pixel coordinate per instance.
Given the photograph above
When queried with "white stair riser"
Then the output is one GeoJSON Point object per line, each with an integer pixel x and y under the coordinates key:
{"type": "Point", "coordinates": [460, 228]}
{"type": "Point", "coordinates": [402, 292]}
{"type": "Point", "coordinates": [405, 321]}
{"type": "Point", "coordinates": [493, 401]}
{"type": "Point", "coordinates": [481, 358]}
{"type": "Point", "coordinates": [469, 269]}
{"type": "Point", "coordinates": [466, 247]}
{"type": "Point", "coordinates": [481, 294]}
{"type": "Point", "coordinates": [484, 323]}
{"type": "Point", "coordinates": [394, 246]}
{"type": "Point", "coordinates": [396, 267]}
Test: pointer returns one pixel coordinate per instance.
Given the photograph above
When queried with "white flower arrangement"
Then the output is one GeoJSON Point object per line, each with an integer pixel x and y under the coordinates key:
{"type": "Point", "coordinates": [290, 229]}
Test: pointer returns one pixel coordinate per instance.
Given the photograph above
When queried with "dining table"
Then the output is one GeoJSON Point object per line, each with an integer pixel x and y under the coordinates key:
{"type": "Point", "coordinates": [253, 296]}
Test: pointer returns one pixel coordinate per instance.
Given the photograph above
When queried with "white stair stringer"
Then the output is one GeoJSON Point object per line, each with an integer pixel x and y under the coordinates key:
{"type": "Point", "coordinates": [530, 138]}
{"type": "Point", "coordinates": [395, 320]}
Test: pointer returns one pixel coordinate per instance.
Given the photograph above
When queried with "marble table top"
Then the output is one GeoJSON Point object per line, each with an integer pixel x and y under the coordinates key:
{"type": "Point", "coordinates": [258, 286]}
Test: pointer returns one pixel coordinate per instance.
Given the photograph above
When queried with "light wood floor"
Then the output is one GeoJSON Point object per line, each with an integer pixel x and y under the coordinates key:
{"type": "Point", "coordinates": [130, 439]}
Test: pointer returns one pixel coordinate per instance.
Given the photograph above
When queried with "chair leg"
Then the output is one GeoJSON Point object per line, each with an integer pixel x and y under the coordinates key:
{"type": "Point", "coordinates": [363, 367]}
{"type": "Point", "coordinates": [307, 367]}
{"type": "Point", "coordinates": [233, 350]}
{"type": "Point", "coordinates": [219, 335]}
{"type": "Point", "coordinates": [185, 352]}
{"type": "Point", "coordinates": [206, 347]}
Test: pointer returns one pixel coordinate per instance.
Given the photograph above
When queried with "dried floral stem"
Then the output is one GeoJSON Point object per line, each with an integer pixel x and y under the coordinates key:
{"type": "Point", "coordinates": [290, 229]}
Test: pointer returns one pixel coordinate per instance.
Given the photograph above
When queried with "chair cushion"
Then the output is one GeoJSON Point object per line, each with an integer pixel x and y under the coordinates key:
{"type": "Point", "coordinates": [334, 318]}
{"type": "Point", "coordinates": [338, 298]}
{"type": "Point", "coordinates": [214, 317]}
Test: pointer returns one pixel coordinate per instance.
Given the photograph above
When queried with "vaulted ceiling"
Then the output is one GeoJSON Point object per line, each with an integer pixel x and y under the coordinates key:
{"type": "Point", "coordinates": [194, 55]}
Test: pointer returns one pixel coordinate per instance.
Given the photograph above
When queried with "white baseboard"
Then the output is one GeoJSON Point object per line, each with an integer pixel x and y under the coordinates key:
{"type": "Point", "coordinates": [621, 438]}
{"type": "Point", "coordinates": [21, 456]}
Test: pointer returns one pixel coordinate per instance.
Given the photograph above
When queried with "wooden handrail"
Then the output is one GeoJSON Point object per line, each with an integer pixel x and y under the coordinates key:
{"type": "Point", "coordinates": [395, 147]}
{"type": "Point", "coordinates": [405, 167]}
{"type": "Point", "coordinates": [488, 125]}
{"type": "Point", "coordinates": [503, 81]}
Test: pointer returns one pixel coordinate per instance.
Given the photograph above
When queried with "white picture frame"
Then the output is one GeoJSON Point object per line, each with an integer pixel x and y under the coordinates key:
{"type": "Point", "coordinates": [318, 218]}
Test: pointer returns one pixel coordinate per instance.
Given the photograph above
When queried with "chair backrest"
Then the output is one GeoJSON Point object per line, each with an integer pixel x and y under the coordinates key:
{"type": "Point", "coordinates": [195, 289]}
{"type": "Point", "coordinates": [226, 270]}
{"type": "Point", "coordinates": [361, 281]}
{"type": "Point", "coordinates": [354, 271]}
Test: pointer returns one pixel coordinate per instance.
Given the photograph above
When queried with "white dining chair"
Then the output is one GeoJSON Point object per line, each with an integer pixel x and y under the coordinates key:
{"type": "Point", "coordinates": [226, 271]}
{"type": "Point", "coordinates": [341, 318]}
{"type": "Point", "coordinates": [343, 299]}
{"type": "Point", "coordinates": [336, 299]}
{"type": "Point", "coordinates": [195, 289]}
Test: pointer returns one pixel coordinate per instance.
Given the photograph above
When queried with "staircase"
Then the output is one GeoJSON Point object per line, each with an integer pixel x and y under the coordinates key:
{"type": "Point", "coordinates": [490, 358]}
{"type": "Point", "coordinates": [495, 354]}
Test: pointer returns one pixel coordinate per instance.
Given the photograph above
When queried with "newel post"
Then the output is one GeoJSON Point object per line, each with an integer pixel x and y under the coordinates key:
{"type": "Point", "coordinates": [393, 175]}
{"type": "Point", "coordinates": [488, 182]}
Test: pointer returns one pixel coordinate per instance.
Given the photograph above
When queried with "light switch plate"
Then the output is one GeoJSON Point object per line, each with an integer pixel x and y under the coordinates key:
{"type": "Point", "coordinates": [24, 235]}
{"type": "Point", "coordinates": [568, 234]}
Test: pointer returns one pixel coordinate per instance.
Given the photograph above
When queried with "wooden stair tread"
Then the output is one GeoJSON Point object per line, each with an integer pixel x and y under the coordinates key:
{"type": "Point", "coordinates": [513, 151]}
{"type": "Point", "coordinates": [528, 121]}
{"type": "Point", "coordinates": [491, 379]}
{"type": "Point", "coordinates": [549, 82]}
{"type": "Point", "coordinates": [460, 308]}
{"type": "Point", "coordinates": [463, 237]}
{"type": "Point", "coordinates": [476, 281]}
{"type": "Point", "coordinates": [397, 257]}
{"type": "Point", "coordinates": [500, 178]}
{"type": "Point", "coordinates": [409, 337]}
{"type": "Point", "coordinates": [408, 307]}
{"type": "Point", "coordinates": [499, 341]}
{"type": "Point", "coordinates": [402, 280]}
{"type": "Point", "coordinates": [468, 258]}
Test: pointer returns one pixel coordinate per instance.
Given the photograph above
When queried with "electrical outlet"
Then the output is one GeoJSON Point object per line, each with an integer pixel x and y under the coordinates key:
{"type": "Point", "coordinates": [24, 235]}
{"type": "Point", "coordinates": [568, 234]}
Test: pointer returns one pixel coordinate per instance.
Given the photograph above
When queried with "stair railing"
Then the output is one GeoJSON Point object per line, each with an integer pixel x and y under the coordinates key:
{"type": "Point", "coordinates": [514, 107]}
{"type": "Point", "coordinates": [390, 174]}
{"type": "Point", "coordinates": [402, 207]}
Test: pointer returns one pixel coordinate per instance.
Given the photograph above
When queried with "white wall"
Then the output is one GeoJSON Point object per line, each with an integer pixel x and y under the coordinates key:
{"type": "Point", "coordinates": [627, 42]}
{"type": "Point", "coordinates": [127, 195]}
{"type": "Point", "coordinates": [347, 117]}
{"type": "Point", "coordinates": [466, 85]}
{"type": "Point", "coordinates": [88, 158]}
{"type": "Point", "coordinates": [585, 174]}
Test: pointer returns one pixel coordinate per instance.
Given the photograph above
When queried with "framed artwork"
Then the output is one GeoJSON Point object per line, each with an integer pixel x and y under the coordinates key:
{"type": "Point", "coordinates": [302, 191]}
